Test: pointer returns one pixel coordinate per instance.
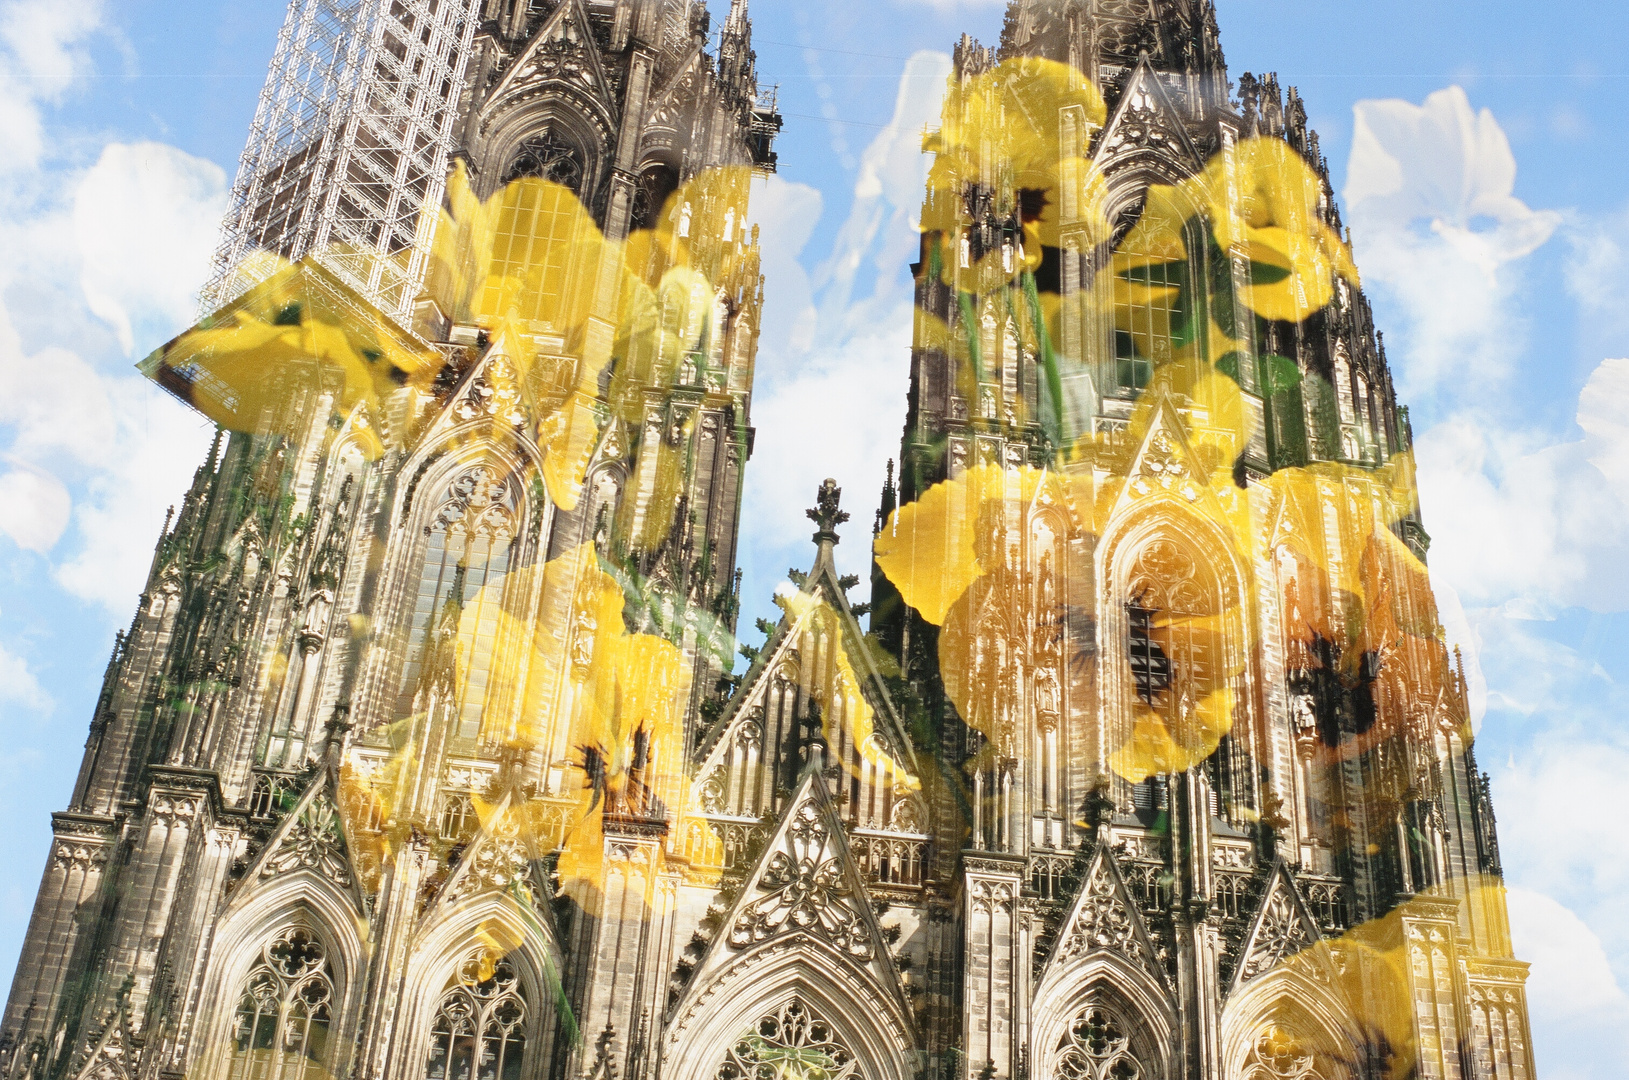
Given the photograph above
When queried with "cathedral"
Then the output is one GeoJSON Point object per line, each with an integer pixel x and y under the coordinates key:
{"type": "Point", "coordinates": [434, 749]}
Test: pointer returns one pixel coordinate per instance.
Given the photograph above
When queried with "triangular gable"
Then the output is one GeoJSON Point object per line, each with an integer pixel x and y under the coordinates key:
{"type": "Point", "coordinates": [109, 1057]}
{"type": "Point", "coordinates": [312, 837]}
{"type": "Point", "coordinates": [823, 586]}
{"type": "Point", "coordinates": [670, 101]}
{"type": "Point", "coordinates": [500, 857]}
{"type": "Point", "coordinates": [806, 884]}
{"type": "Point", "coordinates": [1103, 915]}
{"type": "Point", "coordinates": [1145, 122]}
{"type": "Point", "coordinates": [562, 50]}
{"type": "Point", "coordinates": [1282, 928]}
{"type": "Point", "coordinates": [1165, 464]}
{"type": "Point", "coordinates": [492, 394]}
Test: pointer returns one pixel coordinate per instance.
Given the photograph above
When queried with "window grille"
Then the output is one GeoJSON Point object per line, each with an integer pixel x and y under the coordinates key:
{"type": "Point", "coordinates": [793, 1040]}
{"type": "Point", "coordinates": [1098, 1046]}
{"type": "Point", "coordinates": [284, 1014]}
{"type": "Point", "coordinates": [479, 1031]}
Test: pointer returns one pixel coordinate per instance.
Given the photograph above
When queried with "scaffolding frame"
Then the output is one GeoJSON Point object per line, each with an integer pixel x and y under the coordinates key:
{"type": "Point", "coordinates": [350, 142]}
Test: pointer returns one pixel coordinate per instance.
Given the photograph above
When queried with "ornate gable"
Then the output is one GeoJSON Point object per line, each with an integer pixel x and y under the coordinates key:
{"type": "Point", "coordinates": [1165, 465]}
{"type": "Point", "coordinates": [806, 885]}
{"type": "Point", "coordinates": [1146, 128]}
{"type": "Point", "coordinates": [111, 1055]}
{"type": "Point", "coordinates": [500, 857]}
{"type": "Point", "coordinates": [562, 51]}
{"type": "Point", "coordinates": [493, 398]}
{"type": "Point", "coordinates": [822, 585]}
{"type": "Point", "coordinates": [312, 837]}
{"type": "Point", "coordinates": [1283, 927]}
{"type": "Point", "coordinates": [678, 97]}
{"type": "Point", "coordinates": [1104, 915]}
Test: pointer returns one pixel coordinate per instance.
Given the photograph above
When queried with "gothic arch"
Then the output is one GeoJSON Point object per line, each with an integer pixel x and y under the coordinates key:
{"type": "Point", "coordinates": [490, 921]}
{"type": "Point", "coordinates": [1103, 980]}
{"type": "Point", "coordinates": [429, 483]}
{"type": "Point", "coordinates": [1220, 592]}
{"type": "Point", "coordinates": [864, 1020]}
{"type": "Point", "coordinates": [254, 915]}
{"type": "Point", "coordinates": [573, 118]}
{"type": "Point", "coordinates": [1288, 1026]}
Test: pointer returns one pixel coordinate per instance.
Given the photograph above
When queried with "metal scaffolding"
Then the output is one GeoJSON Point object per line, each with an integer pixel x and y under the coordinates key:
{"type": "Point", "coordinates": [350, 141]}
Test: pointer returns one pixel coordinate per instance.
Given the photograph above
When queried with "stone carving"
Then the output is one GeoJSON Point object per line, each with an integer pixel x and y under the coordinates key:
{"type": "Point", "coordinates": [1281, 931]}
{"type": "Point", "coordinates": [494, 392]}
{"type": "Point", "coordinates": [807, 890]}
{"type": "Point", "coordinates": [1104, 918]}
{"type": "Point", "coordinates": [313, 841]}
{"type": "Point", "coordinates": [793, 1040]}
{"type": "Point", "coordinates": [1146, 124]}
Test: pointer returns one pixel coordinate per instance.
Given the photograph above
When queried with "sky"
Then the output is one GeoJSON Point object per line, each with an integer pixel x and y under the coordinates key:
{"type": "Point", "coordinates": [1477, 150]}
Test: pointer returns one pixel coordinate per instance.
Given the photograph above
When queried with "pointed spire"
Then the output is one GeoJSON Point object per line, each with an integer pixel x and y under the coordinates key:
{"type": "Point", "coordinates": [890, 500]}
{"type": "Point", "coordinates": [825, 512]}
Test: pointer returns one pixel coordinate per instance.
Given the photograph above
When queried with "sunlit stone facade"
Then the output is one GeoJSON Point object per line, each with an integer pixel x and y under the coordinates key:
{"type": "Point", "coordinates": [336, 816]}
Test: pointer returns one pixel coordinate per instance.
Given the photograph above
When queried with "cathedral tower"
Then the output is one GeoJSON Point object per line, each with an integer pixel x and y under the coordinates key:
{"type": "Point", "coordinates": [424, 755]}
{"type": "Point", "coordinates": [482, 344]}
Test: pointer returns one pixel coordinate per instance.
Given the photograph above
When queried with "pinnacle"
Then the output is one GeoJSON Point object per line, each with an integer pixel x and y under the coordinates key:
{"type": "Point", "coordinates": [825, 512]}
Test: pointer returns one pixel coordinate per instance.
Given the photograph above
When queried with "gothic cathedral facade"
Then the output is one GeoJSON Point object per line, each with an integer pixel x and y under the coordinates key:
{"type": "Point", "coordinates": [425, 757]}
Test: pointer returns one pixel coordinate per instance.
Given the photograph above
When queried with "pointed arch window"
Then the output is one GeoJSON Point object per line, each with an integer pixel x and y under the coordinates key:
{"type": "Point", "coordinates": [539, 228]}
{"type": "Point", "coordinates": [791, 1041]}
{"type": "Point", "coordinates": [1282, 1051]}
{"type": "Point", "coordinates": [479, 1031]}
{"type": "Point", "coordinates": [1181, 642]}
{"type": "Point", "coordinates": [1099, 1045]}
{"type": "Point", "coordinates": [466, 559]}
{"type": "Point", "coordinates": [285, 1013]}
{"type": "Point", "coordinates": [1149, 312]}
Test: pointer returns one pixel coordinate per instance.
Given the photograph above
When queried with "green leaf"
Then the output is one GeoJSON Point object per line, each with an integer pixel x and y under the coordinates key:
{"type": "Point", "coordinates": [1279, 373]}
{"type": "Point", "coordinates": [1267, 274]}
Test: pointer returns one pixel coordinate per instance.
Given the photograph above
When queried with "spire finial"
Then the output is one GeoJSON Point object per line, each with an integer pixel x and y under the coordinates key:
{"type": "Point", "coordinates": [825, 512]}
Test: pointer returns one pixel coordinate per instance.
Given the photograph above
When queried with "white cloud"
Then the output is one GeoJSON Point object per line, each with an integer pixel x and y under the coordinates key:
{"type": "Point", "coordinates": [19, 686]}
{"type": "Point", "coordinates": [1579, 1013]}
{"type": "Point", "coordinates": [831, 385]}
{"type": "Point", "coordinates": [158, 445]}
{"type": "Point", "coordinates": [37, 506]}
{"type": "Point", "coordinates": [1436, 225]}
{"type": "Point", "coordinates": [146, 217]}
{"type": "Point", "coordinates": [41, 52]}
{"type": "Point", "coordinates": [1513, 517]}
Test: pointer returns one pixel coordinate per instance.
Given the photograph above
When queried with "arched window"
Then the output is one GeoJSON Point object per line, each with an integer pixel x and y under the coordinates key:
{"type": "Point", "coordinates": [1182, 651]}
{"type": "Point", "coordinates": [479, 1031]}
{"type": "Point", "coordinates": [285, 1012]}
{"type": "Point", "coordinates": [548, 157]}
{"type": "Point", "coordinates": [466, 558]}
{"type": "Point", "coordinates": [791, 1041]}
{"type": "Point", "coordinates": [1150, 316]}
{"type": "Point", "coordinates": [1282, 1050]}
{"type": "Point", "coordinates": [1099, 1046]}
{"type": "Point", "coordinates": [540, 224]}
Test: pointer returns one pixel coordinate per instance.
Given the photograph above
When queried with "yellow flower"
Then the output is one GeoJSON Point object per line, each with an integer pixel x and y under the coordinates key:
{"type": "Point", "coordinates": [243, 366]}
{"type": "Point", "coordinates": [1273, 222]}
{"type": "Point", "coordinates": [1012, 142]}
{"type": "Point", "coordinates": [931, 549]}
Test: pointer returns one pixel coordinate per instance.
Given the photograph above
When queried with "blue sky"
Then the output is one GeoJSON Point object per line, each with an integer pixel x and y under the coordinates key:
{"type": "Point", "coordinates": [1491, 222]}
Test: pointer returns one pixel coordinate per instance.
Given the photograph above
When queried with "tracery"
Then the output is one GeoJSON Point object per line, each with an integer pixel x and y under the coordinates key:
{"type": "Point", "coordinates": [479, 1031]}
{"type": "Point", "coordinates": [466, 558]}
{"type": "Point", "coordinates": [792, 1041]}
{"type": "Point", "coordinates": [285, 1012]}
{"type": "Point", "coordinates": [1098, 1046]}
